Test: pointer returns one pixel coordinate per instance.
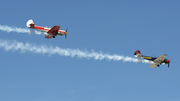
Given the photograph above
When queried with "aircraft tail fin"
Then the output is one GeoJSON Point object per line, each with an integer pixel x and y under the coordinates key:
{"type": "Point", "coordinates": [30, 24]}
{"type": "Point", "coordinates": [137, 54]}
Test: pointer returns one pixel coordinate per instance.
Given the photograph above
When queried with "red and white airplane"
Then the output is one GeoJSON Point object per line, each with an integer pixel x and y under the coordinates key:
{"type": "Point", "coordinates": [51, 32]}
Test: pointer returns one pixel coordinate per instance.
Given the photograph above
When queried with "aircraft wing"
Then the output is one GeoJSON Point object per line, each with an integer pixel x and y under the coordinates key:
{"type": "Point", "coordinates": [48, 36]}
{"type": "Point", "coordinates": [53, 30]}
{"type": "Point", "coordinates": [160, 59]}
{"type": "Point", "coordinates": [152, 65]}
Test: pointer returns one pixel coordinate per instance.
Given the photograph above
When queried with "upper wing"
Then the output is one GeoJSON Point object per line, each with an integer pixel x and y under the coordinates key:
{"type": "Point", "coordinates": [160, 59]}
{"type": "Point", "coordinates": [53, 30]}
{"type": "Point", "coordinates": [152, 65]}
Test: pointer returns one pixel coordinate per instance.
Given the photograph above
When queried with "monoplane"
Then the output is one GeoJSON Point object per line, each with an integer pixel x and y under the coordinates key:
{"type": "Point", "coordinates": [51, 32]}
{"type": "Point", "coordinates": [157, 61]}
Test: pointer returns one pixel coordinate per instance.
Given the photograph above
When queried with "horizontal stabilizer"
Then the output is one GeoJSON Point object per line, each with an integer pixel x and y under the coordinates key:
{"type": "Point", "coordinates": [31, 32]}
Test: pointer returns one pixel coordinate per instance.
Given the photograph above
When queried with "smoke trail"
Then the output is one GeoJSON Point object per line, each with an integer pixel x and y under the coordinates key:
{"type": "Point", "coordinates": [19, 30]}
{"type": "Point", "coordinates": [44, 49]}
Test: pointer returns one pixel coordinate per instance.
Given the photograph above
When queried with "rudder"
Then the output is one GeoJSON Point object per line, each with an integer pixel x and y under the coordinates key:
{"type": "Point", "coordinates": [30, 24]}
{"type": "Point", "coordinates": [137, 54]}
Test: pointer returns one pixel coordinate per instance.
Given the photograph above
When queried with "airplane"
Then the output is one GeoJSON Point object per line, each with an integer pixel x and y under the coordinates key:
{"type": "Point", "coordinates": [51, 32]}
{"type": "Point", "coordinates": [157, 60]}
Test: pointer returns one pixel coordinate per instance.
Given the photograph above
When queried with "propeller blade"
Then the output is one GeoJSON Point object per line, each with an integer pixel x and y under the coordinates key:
{"type": "Point", "coordinates": [66, 29]}
{"type": "Point", "coordinates": [66, 33]}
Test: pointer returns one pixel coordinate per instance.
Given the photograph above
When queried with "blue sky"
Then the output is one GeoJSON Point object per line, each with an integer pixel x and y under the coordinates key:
{"type": "Point", "coordinates": [111, 26]}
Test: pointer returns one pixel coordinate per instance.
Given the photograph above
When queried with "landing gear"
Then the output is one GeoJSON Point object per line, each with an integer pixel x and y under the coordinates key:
{"type": "Point", "coordinates": [53, 36]}
{"type": "Point", "coordinates": [158, 65]}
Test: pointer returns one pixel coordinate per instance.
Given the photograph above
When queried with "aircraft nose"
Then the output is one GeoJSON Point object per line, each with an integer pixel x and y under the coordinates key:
{"type": "Point", "coordinates": [66, 33]}
{"type": "Point", "coordinates": [168, 61]}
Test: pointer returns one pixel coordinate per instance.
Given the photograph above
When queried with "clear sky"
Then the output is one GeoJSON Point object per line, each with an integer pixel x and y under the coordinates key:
{"type": "Point", "coordinates": [110, 26]}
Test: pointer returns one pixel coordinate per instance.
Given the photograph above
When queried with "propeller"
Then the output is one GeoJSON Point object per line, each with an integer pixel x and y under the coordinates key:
{"type": "Point", "coordinates": [66, 33]}
{"type": "Point", "coordinates": [169, 62]}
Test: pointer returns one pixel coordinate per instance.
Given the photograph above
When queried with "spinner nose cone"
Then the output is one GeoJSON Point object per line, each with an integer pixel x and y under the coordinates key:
{"type": "Point", "coordinates": [168, 61]}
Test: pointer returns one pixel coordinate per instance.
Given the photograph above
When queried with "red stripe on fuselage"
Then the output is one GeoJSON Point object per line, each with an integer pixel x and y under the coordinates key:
{"type": "Point", "coordinates": [40, 28]}
{"type": "Point", "coordinates": [46, 29]}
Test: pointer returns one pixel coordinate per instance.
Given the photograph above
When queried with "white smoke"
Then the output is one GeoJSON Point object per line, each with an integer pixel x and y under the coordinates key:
{"type": "Point", "coordinates": [9, 45]}
{"type": "Point", "coordinates": [44, 49]}
{"type": "Point", "coordinates": [19, 30]}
